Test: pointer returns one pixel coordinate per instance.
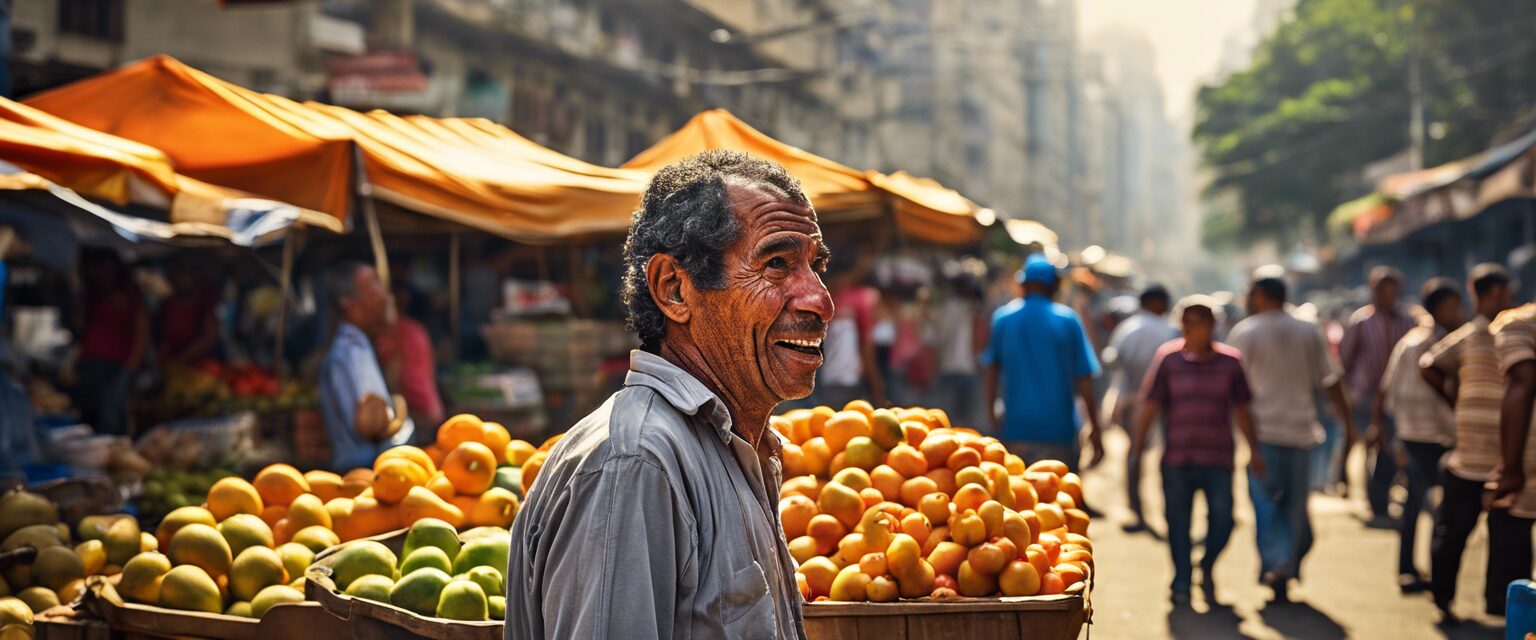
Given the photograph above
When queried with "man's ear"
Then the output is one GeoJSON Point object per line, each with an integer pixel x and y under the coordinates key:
{"type": "Point", "coordinates": [670, 287]}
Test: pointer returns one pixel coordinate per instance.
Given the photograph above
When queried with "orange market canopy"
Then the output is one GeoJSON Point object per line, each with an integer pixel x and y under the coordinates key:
{"type": "Point", "coordinates": [44, 153]}
{"type": "Point", "coordinates": [922, 208]}
{"type": "Point", "coordinates": [320, 156]}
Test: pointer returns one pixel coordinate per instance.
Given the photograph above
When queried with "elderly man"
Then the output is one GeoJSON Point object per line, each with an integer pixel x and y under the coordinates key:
{"type": "Point", "coordinates": [654, 517]}
{"type": "Point", "coordinates": [354, 399]}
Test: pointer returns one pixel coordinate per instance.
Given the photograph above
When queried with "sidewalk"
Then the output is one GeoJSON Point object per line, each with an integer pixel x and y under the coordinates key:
{"type": "Point", "coordinates": [1349, 588]}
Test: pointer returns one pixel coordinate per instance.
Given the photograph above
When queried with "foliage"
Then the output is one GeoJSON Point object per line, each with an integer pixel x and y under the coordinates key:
{"type": "Point", "coordinates": [1327, 93]}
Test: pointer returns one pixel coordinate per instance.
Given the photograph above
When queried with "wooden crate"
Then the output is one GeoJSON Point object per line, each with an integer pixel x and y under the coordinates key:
{"type": "Point", "coordinates": [133, 621]}
{"type": "Point", "coordinates": [369, 620]}
{"type": "Point", "coordinates": [1058, 617]}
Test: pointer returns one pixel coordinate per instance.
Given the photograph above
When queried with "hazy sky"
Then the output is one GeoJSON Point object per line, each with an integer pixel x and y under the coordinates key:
{"type": "Point", "coordinates": [1187, 35]}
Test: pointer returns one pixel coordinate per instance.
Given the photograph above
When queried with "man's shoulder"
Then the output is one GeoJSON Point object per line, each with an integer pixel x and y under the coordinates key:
{"type": "Point", "coordinates": [634, 422]}
{"type": "Point", "coordinates": [1362, 314]}
{"type": "Point", "coordinates": [1224, 351]}
{"type": "Point", "coordinates": [1521, 318]}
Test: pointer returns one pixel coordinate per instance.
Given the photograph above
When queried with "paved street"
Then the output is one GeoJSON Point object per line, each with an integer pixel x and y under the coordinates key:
{"type": "Point", "coordinates": [1348, 591]}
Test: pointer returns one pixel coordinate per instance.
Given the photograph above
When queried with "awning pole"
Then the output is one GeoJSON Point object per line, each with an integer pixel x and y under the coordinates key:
{"type": "Point", "coordinates": [455, 295]}
{"type": "Point", "coordinates": [376, 239]}
{"type": "Point", "coordinates": [285, 282]}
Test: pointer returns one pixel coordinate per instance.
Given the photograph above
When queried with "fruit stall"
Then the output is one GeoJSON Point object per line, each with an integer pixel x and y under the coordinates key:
{"type": "Point", "coordinates": [900, 524]}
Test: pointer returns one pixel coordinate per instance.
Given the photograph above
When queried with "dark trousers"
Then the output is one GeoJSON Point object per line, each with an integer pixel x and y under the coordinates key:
{"type": "Point", "coordinates": [1179, 487]}
{"type": "Point", "coordinates": [1382, 471]}
{"type": "Point", "coordinates": [1423, 473]}
{"type": "Point", "coordinates": [1509, 544]}
{"type": "Point", "coordinates": [1509, 556]}
{"type": "Point", "coordinates": [101, 393]}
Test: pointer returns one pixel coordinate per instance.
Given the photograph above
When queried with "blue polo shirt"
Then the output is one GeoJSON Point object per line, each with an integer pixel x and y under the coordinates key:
{"type": "Point", "coordinates": [1040, 349]}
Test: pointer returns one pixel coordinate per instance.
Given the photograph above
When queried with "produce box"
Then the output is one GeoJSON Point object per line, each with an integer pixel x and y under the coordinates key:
{"type": "Point", "coordinates": [291, 620]}
{"type": "Point", "coordinates": [1037, 617]}
{"type": "Point", "coordinates": [48, 628]}
{"type": "Point", "coordinates": [369, 620]}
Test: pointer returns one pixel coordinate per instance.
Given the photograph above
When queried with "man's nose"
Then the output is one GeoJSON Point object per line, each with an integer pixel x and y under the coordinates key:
{"type": "Point", "coordinates": [811, 296]}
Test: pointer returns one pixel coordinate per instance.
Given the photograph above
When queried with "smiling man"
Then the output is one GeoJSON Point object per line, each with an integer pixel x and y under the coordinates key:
{"type": "Point", "coordinates": [655, 516]}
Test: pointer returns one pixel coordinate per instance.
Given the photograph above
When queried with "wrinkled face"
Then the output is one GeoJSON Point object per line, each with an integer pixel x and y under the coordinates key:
{"type": "Point", "coordinates": [761, 333]}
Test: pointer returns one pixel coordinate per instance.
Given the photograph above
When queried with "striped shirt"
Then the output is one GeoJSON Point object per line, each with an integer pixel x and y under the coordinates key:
{"type": "Point", "coordinates": [1468, 353]}
{"type": "Point", "coordinates": [1514, 334]}
{"type": "Point", "coordinates": [1367, 345]}
{"type": "Point", "coordinates": [1197, 396]}
{"type": "Point", "coordinates": [1420, 413]}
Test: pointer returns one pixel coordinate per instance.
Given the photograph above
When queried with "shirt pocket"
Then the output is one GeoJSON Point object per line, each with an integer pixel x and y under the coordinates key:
{"type": "Point", "coordinates": [746, 604]}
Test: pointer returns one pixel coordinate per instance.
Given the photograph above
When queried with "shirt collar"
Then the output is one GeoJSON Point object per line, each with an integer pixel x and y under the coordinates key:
{"type": "Point", "coordinates": [679, 388]}
{"type": "Point", "coordinates": [349, 331]}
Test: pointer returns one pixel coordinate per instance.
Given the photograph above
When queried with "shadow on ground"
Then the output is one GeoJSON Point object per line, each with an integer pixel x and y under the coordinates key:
{"type": "Point", "coordinates": [1300, 620]}
{"type": "Point", "coordinates": [1219, 622]}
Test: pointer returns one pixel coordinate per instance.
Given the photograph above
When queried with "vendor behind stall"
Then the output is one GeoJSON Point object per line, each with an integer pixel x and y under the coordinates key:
{"type": "Point", "coordinates": [405, 351]}
{"type": "Point", "coordinates": [354, 399]}
{"type": "Point", "coordinates": [189, 323]}
{"type": "Point", "coordinates": [114, 338]}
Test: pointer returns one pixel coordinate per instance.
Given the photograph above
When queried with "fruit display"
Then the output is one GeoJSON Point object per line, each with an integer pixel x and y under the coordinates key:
{"type": "Point", "coordinates": [212, 388]}
{"type": "Point", "coordinates": [55, 574]}
{"type": "Point", "coordinates": [880, 505]}
{"type": "Point", "coordinates": [438, 572]}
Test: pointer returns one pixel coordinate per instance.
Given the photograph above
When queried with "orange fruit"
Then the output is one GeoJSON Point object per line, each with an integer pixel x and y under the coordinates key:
{"type": "Point", "coordinates": [440, 485]}
{"type": "Point", "coordinates": [861, 406]}
{"type": "Point", "coordinates": [324, 484]}
{"type": "Point", "coordinates": [845, 426]}
{"type": "Point", "coordinates": [518, 452]}
{"type": "Point", "coordinates": [278, 484]}
{"type": "Point", "coordinates": [356, 481]}
{"type": "Point", "coordinates": [460, 429]}
{"type": "Point", "coordinates": [495, 436]}
{"type": "Point", "coordinates": [232, 495]}
{"type": "Point", "coordinates": [436, 453]}
{"type": "Point", "coordinates": [531, 469]}
{"type": "Point", "coordinates": [816, 423]}
{"type": "Point", "coordinates": [271, 513]}
{"type": "Point", "coordinates": [471, 467]}
{"type": "Point", "coordinates": [549, 443]}
{"type": "Point", "coordinates": [408, 453]}
{"type": "Point", "coordinates": [394, 478]}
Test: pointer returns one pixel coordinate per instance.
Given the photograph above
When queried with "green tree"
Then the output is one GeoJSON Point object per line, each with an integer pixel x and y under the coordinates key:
{"type": "Point", "coordinates": [1328, 93]}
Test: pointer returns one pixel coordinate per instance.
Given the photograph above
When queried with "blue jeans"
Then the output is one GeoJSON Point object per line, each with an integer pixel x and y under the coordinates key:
{"type": "Point", "coordinates": [1280, 508]}
{"type": "Point", "coordinates": [1179, 487]}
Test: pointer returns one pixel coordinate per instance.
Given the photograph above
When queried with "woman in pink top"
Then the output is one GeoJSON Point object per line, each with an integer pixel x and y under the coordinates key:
{"type": "Point", "coordinates": [405, 352]}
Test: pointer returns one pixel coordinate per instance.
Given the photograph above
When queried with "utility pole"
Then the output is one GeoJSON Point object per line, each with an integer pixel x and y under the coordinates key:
{"type": "Point", "coordinates": [1415, 103]}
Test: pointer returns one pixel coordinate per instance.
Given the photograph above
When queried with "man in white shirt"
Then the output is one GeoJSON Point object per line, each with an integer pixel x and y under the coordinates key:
{"type": "Point", "coordinates": [1287, 360]}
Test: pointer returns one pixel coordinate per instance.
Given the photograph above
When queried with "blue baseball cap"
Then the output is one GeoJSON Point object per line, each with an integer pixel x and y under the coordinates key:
{"type": "Point", "coordinates": [1037, 268]}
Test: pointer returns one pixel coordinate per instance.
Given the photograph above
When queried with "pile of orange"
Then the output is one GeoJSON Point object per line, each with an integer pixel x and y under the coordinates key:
{"type": "Point", "coordinates": [455, 480]}
{"type": "Point", "coordinates": [881, 504]}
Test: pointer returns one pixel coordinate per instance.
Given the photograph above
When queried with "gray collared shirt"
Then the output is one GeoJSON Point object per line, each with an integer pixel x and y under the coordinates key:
{"type": "Point", "coordinates": [652, 518]}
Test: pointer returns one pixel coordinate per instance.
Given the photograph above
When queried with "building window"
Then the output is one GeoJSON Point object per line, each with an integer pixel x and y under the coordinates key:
{"type": "Point", "coordinates": [101, 19]}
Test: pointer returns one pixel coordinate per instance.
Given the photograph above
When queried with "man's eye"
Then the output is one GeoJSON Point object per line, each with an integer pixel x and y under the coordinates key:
{"type": "Point", "coordinates": [778, 263]}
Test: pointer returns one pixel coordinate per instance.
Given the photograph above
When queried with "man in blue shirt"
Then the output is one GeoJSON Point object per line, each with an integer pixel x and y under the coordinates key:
{"type": "Point", "coordinates": [353, 397]}
{"type": "Point", "coordinates": [1039, 349]}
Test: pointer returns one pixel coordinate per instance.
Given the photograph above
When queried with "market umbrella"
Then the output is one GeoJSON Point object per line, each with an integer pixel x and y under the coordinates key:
{"type": "Point", "coordinates": [148, 197]}
{"type": "Point", "coordinates": [922, 208]}
{"type": "Point", "coordinates": [319, 156]}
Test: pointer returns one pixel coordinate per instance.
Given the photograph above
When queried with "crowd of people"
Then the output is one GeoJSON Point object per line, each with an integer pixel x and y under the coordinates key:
{"type": "Point", "coordinates": [1438, 398]}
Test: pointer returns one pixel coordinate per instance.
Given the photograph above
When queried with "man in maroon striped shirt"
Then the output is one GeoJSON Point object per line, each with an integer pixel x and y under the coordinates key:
{"type": "Point", "coordinates": [1199, 386]}
{"type": "Point", "coordinates": [1373, 331]}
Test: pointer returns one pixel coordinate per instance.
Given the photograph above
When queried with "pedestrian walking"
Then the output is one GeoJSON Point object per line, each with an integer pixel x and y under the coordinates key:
{"type": "Point", "coordinates": [1132, 348]}
{"type": "Point", "coordinates": [1463, 368]}
{"type": "Point", "coordinates": [1373, 331]}
{"type": "Point", "coordinates": [1426, 427]}
{"type": "Point", "coordinates": [1040, 358]}
{"type": "Point", "coordinates": [1198, 386]}
{"type": "Point", "coordinates": [1287, 360]}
